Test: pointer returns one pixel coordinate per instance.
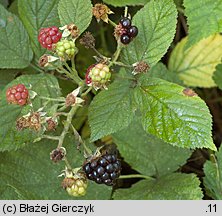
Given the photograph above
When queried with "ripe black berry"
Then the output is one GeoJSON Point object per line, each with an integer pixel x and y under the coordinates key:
{"type": "Point", "coordinates": [125, 39]}
{"type": "Point", "coordinates": [87, 169]}
{"type": "Point", "coordinates": [110, 168]}
{"type": "Point", "coordinates": [125, 22]}
{"type": "Point", "coordinates": [100, 170]}
{"type": "Point", "coordinates": [132, 31]}
{"type": "Point", "coordinates": [103, 170]}
{"type": "Point", "coordinates": [103, 162]}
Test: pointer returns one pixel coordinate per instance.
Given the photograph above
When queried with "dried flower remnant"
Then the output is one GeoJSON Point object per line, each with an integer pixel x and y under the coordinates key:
{"type": "Point", "coordinates": [140, 67]}
{"type": "Point", "coordinates": [88, 40]}
{"type": "Point", "coordinates": [101, 12]}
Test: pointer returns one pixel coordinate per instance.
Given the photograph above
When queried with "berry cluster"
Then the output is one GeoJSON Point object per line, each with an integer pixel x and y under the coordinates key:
{"type": "Point", "coordinates": [75, 186]}
{"type": "Point", "coordinates": [17, 94]}
{"type": "Point", "coordinates": [49, 36]}
{"type": "Point", "coordinates": [128, 32]}
{"type": "Point", "coordinates": [98, 75]}
{"type": "Point", "coordinates": [65, 49]}
{"type": "Point", "coordinates": [103, 170]}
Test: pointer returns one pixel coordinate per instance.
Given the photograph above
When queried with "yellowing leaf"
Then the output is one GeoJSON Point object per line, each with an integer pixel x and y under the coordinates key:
{"type": "Point", "coordinates": [196, 65]}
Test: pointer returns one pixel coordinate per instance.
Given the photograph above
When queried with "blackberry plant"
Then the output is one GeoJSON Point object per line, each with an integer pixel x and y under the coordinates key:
{"type": "Point", "coordinates": [92, 95]}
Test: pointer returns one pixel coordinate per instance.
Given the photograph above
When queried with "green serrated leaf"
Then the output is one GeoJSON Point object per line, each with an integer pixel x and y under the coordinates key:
{"type": "Point", "coordinates": [111, 110]}
{"type": "Point", "coordinates": [121, 3]}
{"type": "Point", "coordinates": [217, 76]}
{"type": "Point", "coordinates": [75, 11]}
{"type": "Point", "coordinates": [6, 76]}
{"type": "Point", "coordinates": [15, 51]}
{"type": "Point", "coordinates": [36, 14]}
{"type": "Point", "coordinates": [196, 65]}
{"type": "Point", "coordinates": [176, 186]}
{"type": "Point", "coordinates": [160, 71]}
{"type": "Point", "coordinates": [148, 154]}
{"type": "Point", "coordinates": [30, 173]}
{"type": "Point", "coordinates": [8, 192]}
{"type": "Point", "coordinates": [173, 115]}
{"type": "Point", "coordinates": [204, 19]}
{"type": "Point", "coordinates": [213, 176]}
{"type": "Point", "coordinates": [156, 22]}
{"type": "Point", "coordinates": [10, 138]}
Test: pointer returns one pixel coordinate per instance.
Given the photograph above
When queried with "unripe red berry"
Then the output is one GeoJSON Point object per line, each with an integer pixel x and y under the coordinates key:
{"type": "Point", "coordinates": [17, 94]}
{"type": "Point", "coordinates": [49, 36]}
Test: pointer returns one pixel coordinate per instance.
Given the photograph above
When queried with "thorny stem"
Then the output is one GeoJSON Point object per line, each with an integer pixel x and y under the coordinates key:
{"type": "Point", "coordinates": [52, 99]}
{"type": "Point", "coordinates": [50, 137]}
{"type": "Point", "coordinates": [62, 108]}
{"type": "Point", "coordinates": [79, 139]}
{"type": "Point", "coordinates": [116, 54]}
{"type": "Point", "coordinates": [136, 176]}
{"type": "Point", "coordinates": [60, 114]}
{"type": "Point", "coordinates": [98, 53]}
{"type": "Point", "coordinates": [73, 73]}
{"type": "Point", "coordinates": [67, 125]}
{"type": "Point", "coordinates": [64, 71]}
{"type": "Point", "coordinates": [86, 92]}
{"type": "Point", "coordinates": [67, 163]}
{"type": "Point", "coordinates": [122, 64]}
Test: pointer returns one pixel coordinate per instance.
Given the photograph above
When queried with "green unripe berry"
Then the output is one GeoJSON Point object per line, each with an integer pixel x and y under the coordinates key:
{"type": "Point", "coordinates": [100, 75]}
{"type": "Point", "coordinates": [75, 186]}
{"type": "Point", "coordinates": [65, 49]}
{"type": "Point", "coordinates": [67, 45]}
